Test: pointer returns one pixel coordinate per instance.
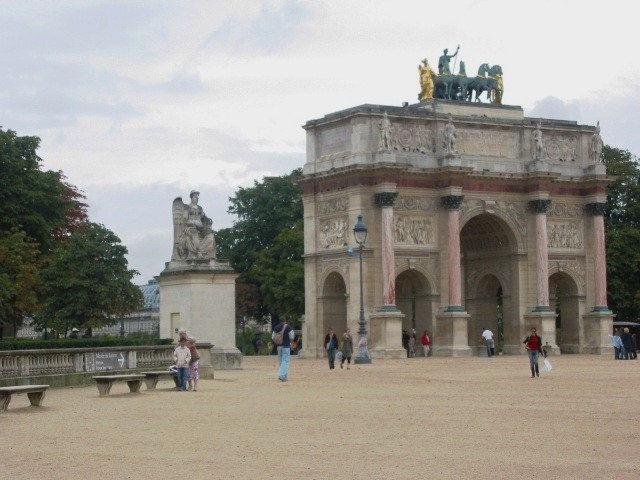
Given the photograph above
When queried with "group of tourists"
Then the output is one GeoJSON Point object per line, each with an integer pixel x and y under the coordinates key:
{"type": "Point", "coordinates": [409, 342]}
{"type": "Point", "coordinates": [186, 362]}
{"type": "Point", "coordinates": [624, 344]}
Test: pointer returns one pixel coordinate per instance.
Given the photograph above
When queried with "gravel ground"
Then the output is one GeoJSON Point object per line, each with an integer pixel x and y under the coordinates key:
{"type": "Point", "coordinates": [439, 418]}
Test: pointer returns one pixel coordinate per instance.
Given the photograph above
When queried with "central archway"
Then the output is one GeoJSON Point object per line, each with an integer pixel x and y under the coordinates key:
{"type": "Point", "coordinates": [489, 264]}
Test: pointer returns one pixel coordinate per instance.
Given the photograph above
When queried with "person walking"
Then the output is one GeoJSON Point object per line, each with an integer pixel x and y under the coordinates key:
{"type": "Point", "coordinates": [426, 342]}
{"type": "Point", "coordinates": [194, 364]}
{"type": "Point", "coordinates": [628, 348]}
{"type": "Point", "coordinates": [181, 359]}
{"type": "Point", "coordinates": [533, 344]}
{"type": "Point", "coordinates": [412, 344]}
{"type": "Point", "coordinates": [487, 335]}
{"type": "Point", "coordinates": [347, 348]}
{"type": "Point", "coordinates": [617, 344]}
{"type": "Point", "coordinates": [331, 345]}
{"type": "Point", "coordinates": [284, 349]}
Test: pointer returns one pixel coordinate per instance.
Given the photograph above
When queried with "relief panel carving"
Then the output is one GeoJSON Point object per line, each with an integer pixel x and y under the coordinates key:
{"type": "Point", "coordinates": [415, 230]}
{"type": "Point", "coordinates": [561, 148]}
{"type": "Point", "coordinates": [333, 232]}
{"type": "Point", "coordinates": [408, 202]}
{"type": "Point", "coordinates": [564, 235]}
{"type": "Point", "coordinates": [334, 205]}
{"type": "Point", "coordinates": [494, 144]}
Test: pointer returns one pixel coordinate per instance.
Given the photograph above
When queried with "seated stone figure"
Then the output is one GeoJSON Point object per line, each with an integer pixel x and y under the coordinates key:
{"type": "Point", "coordinates": [193, 234]}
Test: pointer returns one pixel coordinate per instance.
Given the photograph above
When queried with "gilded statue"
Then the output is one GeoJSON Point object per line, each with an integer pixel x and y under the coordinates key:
{"type": "Point", "coordinates": [426, 80]}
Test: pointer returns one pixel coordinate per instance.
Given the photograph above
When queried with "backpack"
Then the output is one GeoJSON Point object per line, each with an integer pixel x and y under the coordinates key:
{"type": "Point", "coordinates": [278, 338]}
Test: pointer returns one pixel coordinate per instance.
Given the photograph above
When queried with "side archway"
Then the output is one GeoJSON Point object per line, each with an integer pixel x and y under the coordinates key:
{"type": "Point", "coordinates": [414, 300]}
{"type": "Point", "coordinates": [564, 297]}
{"type": "Point", "coordinates": [334, 305]}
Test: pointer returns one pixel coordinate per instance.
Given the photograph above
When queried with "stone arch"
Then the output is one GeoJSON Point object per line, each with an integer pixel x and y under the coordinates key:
{"type": "Point", "coordinates": [490, 265]}
{"type": "Point", "coordinates": [415, 300]}
{"type": "Point", "coordinates": [334, 305]}
{"type": "Point", "coordinates": [564, 298]}
{"type": "Point", "coordinates": [516, 230]}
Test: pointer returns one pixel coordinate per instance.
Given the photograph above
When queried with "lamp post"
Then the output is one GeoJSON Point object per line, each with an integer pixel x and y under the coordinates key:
{"type": "Point", "coordinates": [360, 234]}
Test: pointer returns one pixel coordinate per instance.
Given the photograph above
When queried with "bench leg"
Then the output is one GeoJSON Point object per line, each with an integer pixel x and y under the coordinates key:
{"type": "Point", "coordinates": [176, 381]}
{"type": "Point", "coordinates": [151, 382]}
{"type": "Point", "coordinates": [36, 398]}
{"type": "Point", "coordinates": [104, 388]}
{"type": "Point", "coordinates": [134, 385]}
{"type": "Point", "coordinates": [4, 401]}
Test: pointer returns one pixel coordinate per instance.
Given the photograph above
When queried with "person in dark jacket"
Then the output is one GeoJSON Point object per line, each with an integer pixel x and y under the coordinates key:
{"type": "Point", "coordinates": [533, 344]}
{"type": "Point", "coordinates": [331, 345]}
{"type": "Point", "coordinates": [628, 346]}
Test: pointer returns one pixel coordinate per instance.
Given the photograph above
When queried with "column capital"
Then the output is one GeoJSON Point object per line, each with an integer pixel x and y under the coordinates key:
{"type": "Point", "coordinates": [596, 208]}
{"type": "Point", "coordinates": [452, 202]}
{"type": "Point", "coordinates": [540, 206]}
{"type": "Point", "coordinates": [385, 199]}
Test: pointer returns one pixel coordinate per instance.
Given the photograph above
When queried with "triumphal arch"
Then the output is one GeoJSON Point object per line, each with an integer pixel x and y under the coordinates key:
{"type": "Point", "coordinates": [477, 217]}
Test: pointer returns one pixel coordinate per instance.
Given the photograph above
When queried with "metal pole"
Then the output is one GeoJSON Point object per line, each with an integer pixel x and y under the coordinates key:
{"type": "Point", "coordinates": [363, 352]}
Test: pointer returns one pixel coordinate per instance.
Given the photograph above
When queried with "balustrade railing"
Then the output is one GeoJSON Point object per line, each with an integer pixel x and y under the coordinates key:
{"type": "Point", "coordinates": [20, 363]}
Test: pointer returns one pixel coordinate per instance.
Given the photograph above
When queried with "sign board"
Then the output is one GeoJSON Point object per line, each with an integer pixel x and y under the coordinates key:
{"type": "Point", "coordinates": [104, 361]}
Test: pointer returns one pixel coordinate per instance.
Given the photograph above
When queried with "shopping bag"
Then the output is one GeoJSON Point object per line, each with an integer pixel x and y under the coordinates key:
{"type": "Point", "coordinates": [547, 365]}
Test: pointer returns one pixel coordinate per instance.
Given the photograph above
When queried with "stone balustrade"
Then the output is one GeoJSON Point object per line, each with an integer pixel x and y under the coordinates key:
{"type": "Point", "coordinates": [26, 363]}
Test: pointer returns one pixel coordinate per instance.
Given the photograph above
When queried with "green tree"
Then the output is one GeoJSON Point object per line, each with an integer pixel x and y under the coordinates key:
{"type": "Point", "coordinates": [86, 283]}
{"type": "Point", "coordinates": [19, 278]}
{"type": "Point", "coordinates": [265, 244]}
{"type": "Point", "coordinates": [38, 202]}
{"type": "Point", "coordinates": [622, 227]}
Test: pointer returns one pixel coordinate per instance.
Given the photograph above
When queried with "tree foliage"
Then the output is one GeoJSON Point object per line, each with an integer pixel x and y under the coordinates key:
{"type": "Point", "coordinates": [19, 277]}
{"type": "Point", "coordinates": [87, 283]}
{"type": "Point", "coordinates": [38, 202]}
{"type": "Point", "coordinates": [622, 227]}
{"type": "Point", "coordinates": [265, 244]}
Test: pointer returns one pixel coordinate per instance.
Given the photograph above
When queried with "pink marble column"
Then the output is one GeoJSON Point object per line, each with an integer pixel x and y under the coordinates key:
{"type": "Point", "coordinates": [385, 200]}
{"type": "Point", "coordinates": [597, 210]}
{"type": "Point", "coordinates": [452, 203]}
{"type": "Point", "coordinates": [540, 208]}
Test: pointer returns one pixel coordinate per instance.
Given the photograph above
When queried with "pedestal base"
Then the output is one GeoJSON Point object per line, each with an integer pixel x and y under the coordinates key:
{"type": "Point", "coordinates": [452, 339]}
{"type": "Point", "coordinates": [386, 334]}
{"type": "Point", "coordinates": [226, 358]}
{"type": "Point", "coordinates": [597, 328]}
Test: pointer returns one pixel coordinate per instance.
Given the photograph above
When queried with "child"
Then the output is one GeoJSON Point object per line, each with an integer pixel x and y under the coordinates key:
{"type": "Point", "coordinates": [194, 364]}
{"type": "Point", "coordinates": [181, 358]}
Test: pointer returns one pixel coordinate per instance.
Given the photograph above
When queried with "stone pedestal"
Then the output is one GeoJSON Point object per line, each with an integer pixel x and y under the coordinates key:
{"type": "Point", "coordinates": [385, 337]}
{"type": "Point", "coordinates": [545, 324]}
{"type": "Point", "coordinates": [598, 325]}
{"type": "Point", "coordinates": [202, 301]}
{"type": "Point", "coordinates": [452, 339]}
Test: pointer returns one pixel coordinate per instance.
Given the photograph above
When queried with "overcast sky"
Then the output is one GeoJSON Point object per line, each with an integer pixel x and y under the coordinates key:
{"type": "Point", "coordinates": [139, 102]}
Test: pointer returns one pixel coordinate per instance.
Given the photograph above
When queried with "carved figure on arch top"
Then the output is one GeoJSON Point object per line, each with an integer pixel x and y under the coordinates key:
{"type": "Point", "coordinates": [384, 126]}
{"type": "Point", "coordinates": [596, 146]}
{"type": "Point", "coordinates": [193, 237]}
{"type": "Point", "coordinates": [538, 143]}
{"type": "Point", "coordinates": [449, 137]}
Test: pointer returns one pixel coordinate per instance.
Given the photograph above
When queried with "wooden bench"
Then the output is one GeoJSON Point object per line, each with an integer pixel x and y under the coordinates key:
{"type": "Point", "coordinates": [151, 378]}
{"type": "Point", "coordinates": [105, 382]}
{"type": "Point", "coordinates": [34, 392]}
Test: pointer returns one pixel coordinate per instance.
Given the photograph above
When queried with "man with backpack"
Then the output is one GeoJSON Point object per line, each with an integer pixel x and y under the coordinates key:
{"type": "Point", "coordinates": [282, 336]}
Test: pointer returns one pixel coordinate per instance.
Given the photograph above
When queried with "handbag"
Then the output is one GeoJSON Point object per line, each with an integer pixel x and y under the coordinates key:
{"type": "Point", "coordinates": [547, 365]}
{"type": "Point", "coordinates": [278, 338]}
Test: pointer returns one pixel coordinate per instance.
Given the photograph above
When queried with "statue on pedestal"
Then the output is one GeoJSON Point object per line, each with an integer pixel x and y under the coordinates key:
{"type": "Point", "coordinates": [193, 236]}
{"type": "Point", "coordinates": [596, 146]}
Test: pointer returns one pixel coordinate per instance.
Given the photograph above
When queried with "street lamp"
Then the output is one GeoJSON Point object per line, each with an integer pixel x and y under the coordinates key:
{"type": "Point", "coordinates": [360, 234]}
